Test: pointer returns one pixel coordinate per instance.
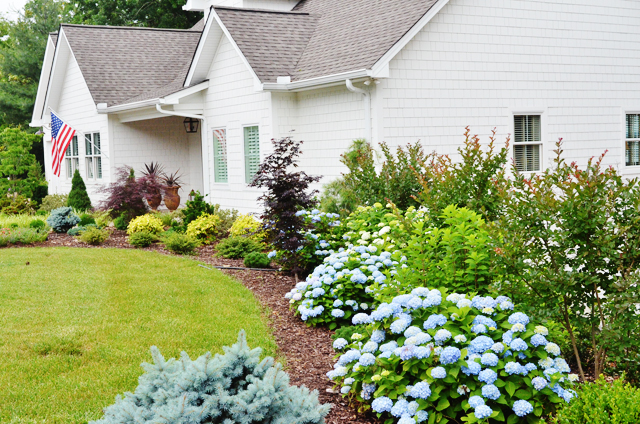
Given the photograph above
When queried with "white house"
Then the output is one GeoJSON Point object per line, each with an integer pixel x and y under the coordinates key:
{"type": "Point", "coordinates": [336, 70]}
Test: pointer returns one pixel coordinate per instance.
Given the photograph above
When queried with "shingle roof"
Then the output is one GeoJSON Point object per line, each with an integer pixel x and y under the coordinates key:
{"type": "Point", "coordinates": [54, 37]}
{"type": "Point", "coordinates": [123, 64]}
{"type": "Point", "coordinates": [342, 35]}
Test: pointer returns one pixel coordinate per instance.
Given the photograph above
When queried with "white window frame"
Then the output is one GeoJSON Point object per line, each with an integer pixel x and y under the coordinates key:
{"type": "Point", "coordinates": [213, 153]}
{"type": "Point", "coordinates": [91, 159]}
{"type": "Point", "coordinates": [244, 153]}
{"type": "Point", "coordinates": [541, 143]}
{"type": "Point", "coordinates": [625, 140]}
{"type": "Point", "coordinates": [72, 162]}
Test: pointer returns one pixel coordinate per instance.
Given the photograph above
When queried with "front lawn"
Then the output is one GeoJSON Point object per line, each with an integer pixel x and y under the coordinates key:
{"type": "Point", "coordinates": [75, 324]}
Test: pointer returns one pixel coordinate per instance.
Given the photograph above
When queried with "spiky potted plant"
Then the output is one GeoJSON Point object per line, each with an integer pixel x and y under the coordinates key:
{"type": "Point", "coordinates": [154, 176]}
{"type": "Point", "coordinates": [172, 184]}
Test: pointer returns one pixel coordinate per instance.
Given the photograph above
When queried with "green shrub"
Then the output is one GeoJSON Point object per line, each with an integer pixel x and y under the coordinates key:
{"type": "Point", "coordinates": [196, 208]}
{"type": "Point", "coordinates": [62, 219]}
{"type": "Point", "coordinates": [85, 219]}
{"type": "Point", "coordinates": [181, 244]}
{"type": "Point", "coordinates": [76, 231]}
{"type": "Point", "coordinates": [37, 224]}
{"type": "Point", "coordinates": [167, 218]}
{"type": "Point", "coordinates": [94, 236]}
{"type": "Point", "coordinates": [602, 403]}
{"type": "Point", "coordinates": [142, 239]}
{"type": "Point", "coordinates": [102, 218]}
{"type": "Point", "coordinates": [238, 247]}
{"type": "Point", "coordinates": [17, 205]}
{"type": "Point", "coordinates": [78, 196]}
{"type": "Point", "coordinates": [247, 225]}
{"type": "Point", "coordinates": [40, 192]}
{"type": "Point", "coordinates": [227, 218]}
{"type": "Point", "coordinates": [53, 201]}
{"type": "Point", "coordinates": [236, 387]}
{"type": "Point", "coordinates": [148, 223]}
{"type": "Point", "coordinates": [121, 223]}
{"type": "Point", "coordinates": [257, 260]}
{"type": "Point", "coordinates": [205, 228]}
{"type": "Point", "coordinates": [21, 236]}
{"type": "Point", "coordinates": [337, 198]}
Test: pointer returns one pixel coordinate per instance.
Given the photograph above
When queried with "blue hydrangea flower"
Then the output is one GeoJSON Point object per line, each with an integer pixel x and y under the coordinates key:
{"type": "Point", "coordinates": [475, 401]}
{"type": "Point", "coordinates": [367, 359]}
{"type": "Point", "coordinates": [361, 318]}
{"type": "Point", "coordinates": [420, 390]}
{"type": "Point", "coordinates": [345, 390]}
{"type": "Point", "coordinates": [337, 303]}
{"type": "Point", "coordinates": [460, 338]}
{"type": "Point", "coordinates": [338, 313]}
{"type": "Point", "coordinates": [561, 365]}
{"type": "Point", "coordinates": [434, 321]}
{"type": "Point", "coordinates": [507, 337]}
{"type": "Point", "coordinates": [479, 329]}
{"type": "Point", "coordinates": [442, 336]}
{"type": "Point", "coordinates": [420, 291]}
{"type": "Point", "coordinates": [317, 292]}
{"type": "Point", "coordinates": [463, 303]}
{"type": "Point", "coordinates": [530, 367]}
{"type": "Point", "coordinates": [350, 356]}
{"type": "Point", "coordinates": [412, 331]}
{"type": "Point", "coordinates": [488, 376]}
{"type": "Point", "coordinates": [518, 345]}
{"type": "Point", "coordinates": [488, 322]}
{"type": "Point", "coordinates": [406, 419]}
{"type": "Point", "coordinates": [538, 340]}
{"type": "Point", "coordinates": [482, 412]}
{"type": "Point", "coordinates": [414, 303]}
{"type": "Point", "coordinates": [383, 311]}
{"type": "Point", "coordinates": [539, 383]}
{"type": "Point", "coordinates": [518, 318]}
{"type": "Point", "coordinates": [438, 372]}
{"type": "Point", "coordinates": [480, 344]}
{"type": "Point", "coordinates": [378, 336]}
{"type": "Point", "coordinates": [422, 416]}
{"type": "Point", "coordinates": [522, 408]}
{"type": "Point", "coordinates": [497, 347]}
{"type": "Point", "coordinates": [406, 352]}
{"type": "Point", "coordinates": [370, 346]}
{"type": "Point", "coordinates": [422, 352]}
{"type": "Point", "coordinates": [382, 404]}
{"type": "Point", "coordinates": [388, 347]}
{"type": "Point", "coordinates": [340, 344]}
{"type": "Point", "coordinates": [400, 408]}
{"type": "Point", "coordinates": [513, 368]}
{"type": "Point", "coordinates": [367, 390]}
{"type": "Point", "coordinates": [450, 355]}
{"type": "Point", "coordinates": [472, 368]}
{"type": "Point", "coordinates": [490, 392]}
{"type": "Point", "coordinates": [400, 324]}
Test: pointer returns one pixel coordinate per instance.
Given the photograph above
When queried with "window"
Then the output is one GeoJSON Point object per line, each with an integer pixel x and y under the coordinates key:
{"type": "Point", "coordinates": [632, 145]}
{"type": "Point", "coordinates": [71, 157]}
{"type": "Point", "coordinates": [220, 155]}
{"type": "Point", "coordinates": [251, 152]}
{"type": "Point", "coordinates": [93, 155]}
{"type": "Point", "coordinates": [527, 142]}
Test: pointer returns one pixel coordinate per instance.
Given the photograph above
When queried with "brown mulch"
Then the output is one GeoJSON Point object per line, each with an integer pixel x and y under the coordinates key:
{"type": "Point", "coordinates": [307, 350]}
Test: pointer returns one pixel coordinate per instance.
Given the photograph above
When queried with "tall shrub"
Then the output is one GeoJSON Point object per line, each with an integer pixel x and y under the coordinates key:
{"type": "Point", "coordinates": [473, 183]}
{"type": "Point", "coordinates": [286, 192]}
{"type": "Point", "coordinates": [78, 196]}
{"type": "Point", "coordinates": [571, 241]}
{"type": "Point", "coordinates": [125, 196]}
{"type": "Point", "coordinates": [19, 170]}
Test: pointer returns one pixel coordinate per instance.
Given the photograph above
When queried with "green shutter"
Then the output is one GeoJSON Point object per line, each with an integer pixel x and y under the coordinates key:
{"type": "Point", "coordinates": [251, 152]}
{"type": "Point", "coordinates": [220, 156]}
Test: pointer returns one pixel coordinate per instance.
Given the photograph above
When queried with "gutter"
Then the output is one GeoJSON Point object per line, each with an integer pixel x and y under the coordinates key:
{"type": "Point", "coordinates": [204, 144]}
{"type": "Point", "coordinates": [367, 108]}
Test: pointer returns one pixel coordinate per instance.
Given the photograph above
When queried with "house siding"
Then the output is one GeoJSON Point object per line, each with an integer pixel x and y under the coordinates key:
{"type": "Point", "coordinates": [478, 63]}
{"type": "Point", "coordinates": [77, 109]}
{"type": "Point", "coordinates": [231, 102]}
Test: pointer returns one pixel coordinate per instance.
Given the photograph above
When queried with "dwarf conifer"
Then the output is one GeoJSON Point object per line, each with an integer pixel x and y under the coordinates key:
{"type": "Point", "coordinates": [78, 197]}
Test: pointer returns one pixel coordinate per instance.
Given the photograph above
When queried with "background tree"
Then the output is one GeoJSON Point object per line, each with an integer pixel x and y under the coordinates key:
{"type": "Point", "coordinates": [144, 13]}
{"type": "Point", "coordinates": [19, 170]}
{"type": "Point", "coordinates": [78, 196]}
{"type": "Point", "coordinates": [21, 56]}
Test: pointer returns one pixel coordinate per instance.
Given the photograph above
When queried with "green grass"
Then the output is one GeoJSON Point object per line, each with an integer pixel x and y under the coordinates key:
{"type": "Point", "coordinates": [19, 220]}
{"type": "Point", "coordinates": [75, 324]}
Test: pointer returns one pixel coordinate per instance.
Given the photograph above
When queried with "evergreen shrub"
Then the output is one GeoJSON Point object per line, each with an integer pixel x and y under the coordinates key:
{"type": "Point", "coordinates": [602, 402]}
{"type": "Point", "coordinates": [257, 260]}
{"type": "Point", "coordinates": [426, 356]}
{"type": "Point", "coordinates": [205, 228]}
{"type": "Point", "coordinates": [76, 231]}
{"type": "Point", "coordinates": [247, 225]}
{"type": "Point", "coordinates": [238, 247]}
{"type": "Point", "coordinates": [142, 239]}
{"type": "Point", "coordinates": [196, 208]}
{"type": "Point", "coordinates": [147, 222]}
{"type": "Point", "coordinates": [181, 244]}
{"type": "Point", "coordinates": [236, 387]}
{"type": "Point", "coordinates": [78, 196]}
{"type": "Point", "coordinates": [53, 201]}
{"type": "Point", "coordinates": [94, 236]}
{"type": "Point", "coordinates": [37, 224]}
{"type": "Point", "coordinates": [62, 219]}
{"type": "Point", "coordinates": [121, 223]}
{"type": "Point", "coordinates": [86, 219]}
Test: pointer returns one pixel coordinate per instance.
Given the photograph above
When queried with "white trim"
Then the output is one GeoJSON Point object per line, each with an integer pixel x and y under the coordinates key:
{"type": "Point", "coordinates": [199, 49]}
{"type": "Point", "coordinates": [170, 99]}
{"type": "Point", "coordinates": [45, 73]}
{"type": "Point", "coordinates": [396, 48]}
{"type": "Point", "coordinates": [54, 66]}
{"type": "Point", "coordinates": [319, 82]}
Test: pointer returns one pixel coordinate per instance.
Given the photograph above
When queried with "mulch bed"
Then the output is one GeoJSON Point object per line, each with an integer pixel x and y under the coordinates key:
{"type": "Point", "coordinates": [307, 350]}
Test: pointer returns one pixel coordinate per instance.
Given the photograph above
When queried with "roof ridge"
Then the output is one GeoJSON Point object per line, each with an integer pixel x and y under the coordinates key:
{"type": "Point", "coordinates": [131, 28]}
{"type": "Point", "coordinates": [279, 12]}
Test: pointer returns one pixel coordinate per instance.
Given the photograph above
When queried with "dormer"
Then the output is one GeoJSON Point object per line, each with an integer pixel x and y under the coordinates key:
{"type": "Point", "coordinates": [205, 5]}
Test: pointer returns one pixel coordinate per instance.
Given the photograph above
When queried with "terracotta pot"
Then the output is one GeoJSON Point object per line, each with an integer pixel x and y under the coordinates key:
{"type": "Point", "coordinates": [172, 198]}
{"type": "Point", "coordinates": [154, 200]}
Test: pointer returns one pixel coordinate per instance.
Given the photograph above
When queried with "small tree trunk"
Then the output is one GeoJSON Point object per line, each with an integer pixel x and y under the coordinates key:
{"type": "Point", "coordinates": [567, 325]}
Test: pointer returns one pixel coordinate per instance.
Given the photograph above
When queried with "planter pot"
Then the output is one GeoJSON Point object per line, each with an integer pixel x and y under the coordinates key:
{"type": "Point", "coordinates": [172, 198]}
{"type": "Point", "coordinates": [155, 199]}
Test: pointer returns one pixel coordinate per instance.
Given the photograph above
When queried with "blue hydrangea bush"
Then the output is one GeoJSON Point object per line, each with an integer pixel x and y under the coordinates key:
{"type": "Point", "coordinates": [435, 358]}
{"type": "Point", "coordinates": [340, 289]}
{"type": "Point", "coordinates": [236, 387]}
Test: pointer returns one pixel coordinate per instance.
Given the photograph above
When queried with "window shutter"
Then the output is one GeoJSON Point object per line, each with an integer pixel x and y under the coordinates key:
{"type": "Point", "coordinates": [527, 129]}
{"type": "Point", "coordinates": [632, 151]}
{"type": "Point", "coordinates": [220, 156]}
{"type": "Point", "coordinates": [527, 157]}
{"type": "Point", "coordinates": [251, 152]}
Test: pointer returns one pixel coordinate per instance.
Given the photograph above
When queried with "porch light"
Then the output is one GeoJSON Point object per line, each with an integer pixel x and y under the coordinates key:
{"type": "Point", "coordinates": [191, 125]}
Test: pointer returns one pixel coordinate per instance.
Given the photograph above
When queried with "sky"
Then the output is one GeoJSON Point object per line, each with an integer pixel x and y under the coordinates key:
{"type": "Point", "coordinates": [8, 8]}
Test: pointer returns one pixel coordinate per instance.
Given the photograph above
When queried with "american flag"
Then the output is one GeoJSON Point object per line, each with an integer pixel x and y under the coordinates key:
{"type": "Point", "coordinates": [61, 135]}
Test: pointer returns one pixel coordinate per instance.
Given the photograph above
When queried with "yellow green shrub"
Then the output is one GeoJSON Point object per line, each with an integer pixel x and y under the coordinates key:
{"type": "Point", "coordinates": [205, 228]}
{"type": "Point", "coordinates": [246, 225]}
{"type": "Point", "coordinates": [148, 223]}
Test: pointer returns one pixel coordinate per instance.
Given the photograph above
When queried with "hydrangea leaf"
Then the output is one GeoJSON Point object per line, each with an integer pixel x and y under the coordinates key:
{"type": "Point", "coordinates": [511, 388]}
{"type": "Point", "coordinates": [443, 404]}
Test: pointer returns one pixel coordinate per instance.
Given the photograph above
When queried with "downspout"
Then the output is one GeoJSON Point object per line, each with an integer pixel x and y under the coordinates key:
{"type": "Point", "coordinates": [205, 145]}
{"type": "Point", "coordinates": [367, 108]}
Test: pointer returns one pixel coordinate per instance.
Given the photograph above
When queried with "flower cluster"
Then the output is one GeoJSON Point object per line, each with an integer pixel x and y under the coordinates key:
{"type": "Point", "coordinates": [427, 353]}
{"type": "Point", "coordinates": [339, 290]}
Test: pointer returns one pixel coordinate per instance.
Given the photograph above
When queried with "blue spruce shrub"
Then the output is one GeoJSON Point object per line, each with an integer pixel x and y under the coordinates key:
{"type": "Point", "coordinates": [62, 219]}
{"type": "Point", "coordinates": [236, 387]}
{"type": "Point", "coordinates": [341, 288]}
{"type": "Point", "coordinates": [430, 357]}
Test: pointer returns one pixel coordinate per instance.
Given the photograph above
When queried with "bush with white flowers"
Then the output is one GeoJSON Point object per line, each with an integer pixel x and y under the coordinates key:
{"type": "Point", "coordinates": [429, 357]}
{"type": "Point", "coordinates": [339, 290]}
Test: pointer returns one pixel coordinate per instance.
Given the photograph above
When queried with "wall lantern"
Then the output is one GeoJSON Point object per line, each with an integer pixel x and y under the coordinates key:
{"type": "Point", "coordinates": [191, 125]}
